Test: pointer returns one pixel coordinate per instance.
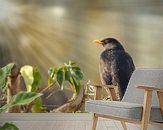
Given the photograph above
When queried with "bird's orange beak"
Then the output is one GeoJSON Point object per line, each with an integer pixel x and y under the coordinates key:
{"type": "Point", "coordinates": [98, 41]}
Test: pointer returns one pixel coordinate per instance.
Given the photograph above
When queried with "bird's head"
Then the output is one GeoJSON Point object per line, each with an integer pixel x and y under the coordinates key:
{"type": "Point", "coordinates": [110, 43]}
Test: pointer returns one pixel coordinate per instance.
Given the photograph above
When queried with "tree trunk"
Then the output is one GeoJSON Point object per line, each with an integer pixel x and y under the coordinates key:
{"type": "Point", "coordinates": [74, 104]}
{"type": "Point", "coordinates": [13, 87]}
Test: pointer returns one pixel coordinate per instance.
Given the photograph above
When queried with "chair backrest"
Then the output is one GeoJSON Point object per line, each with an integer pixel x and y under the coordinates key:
{"type": "Point", "coordinates": [146, 77]}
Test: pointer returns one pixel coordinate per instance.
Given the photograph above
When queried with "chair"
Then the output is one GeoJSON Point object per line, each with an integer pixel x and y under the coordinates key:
{"type": "Point", "coordinates": [141, 104]}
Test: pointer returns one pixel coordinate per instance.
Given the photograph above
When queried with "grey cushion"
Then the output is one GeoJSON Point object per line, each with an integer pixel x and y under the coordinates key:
{"type": "Point", "coordinates": [143, 77]}
{"type": "Point", "coordinates": [125, 110]}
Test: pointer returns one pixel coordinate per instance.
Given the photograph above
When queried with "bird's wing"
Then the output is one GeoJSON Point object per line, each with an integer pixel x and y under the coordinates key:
{"type": "Point", "coordinates": [105, 69]}
{"type": "Point", "coordinates": [123, 69]}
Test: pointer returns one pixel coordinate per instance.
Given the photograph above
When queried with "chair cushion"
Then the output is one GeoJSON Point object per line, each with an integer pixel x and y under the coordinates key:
{"type": "Point", "coordinates": [131, 111]}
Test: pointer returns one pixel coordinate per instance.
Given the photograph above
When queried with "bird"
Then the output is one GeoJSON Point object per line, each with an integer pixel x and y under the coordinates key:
{"type": "Point", "coordinates": [116, 65]}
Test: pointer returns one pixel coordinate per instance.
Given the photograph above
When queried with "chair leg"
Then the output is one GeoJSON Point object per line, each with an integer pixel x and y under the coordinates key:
{"type": "Point", "coordinates": [144, 126]}
{"type": "Point", "coordinates": [124, 125]}
{"type": "Point", "coordinates": [146, 110]}
{"type": "Point", "coordinates": [94, 123]}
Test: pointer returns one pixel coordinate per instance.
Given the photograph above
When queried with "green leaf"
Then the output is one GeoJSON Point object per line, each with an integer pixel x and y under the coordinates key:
{"type": "Point", "coordinates": [77, 85]}
{"type": "Point", "coordinates": [50, 81]}
{"type": "Point", "coordinates": [60, 77]}
{"type": "Point", "coordinates": [32, 77]}
{"type": "Point", "coordinates": [8, 126]}
{"type": "Point", "coordinates": [21, 98]}
{"type": "Point", "coordinates": [4, 72]}
{"type": "Point", "coordinates": [67, 74]}
{"type": "Point", "coordinates": [37, 79]}
{"type": "Point", "coordinates": [76, 68]}
{"type": "Point", "coordinates": [77, 74]}
{"type": "Point", "coordinates": [52, 71]}
{"type": "Point", "coordinates": [27, 73]}
{"type": "Point", "coordinates": [72, 85]}
{"type": "Point", "coordinates": [37, 107]}
{"type": "Point", "coordinates": [72, 63]}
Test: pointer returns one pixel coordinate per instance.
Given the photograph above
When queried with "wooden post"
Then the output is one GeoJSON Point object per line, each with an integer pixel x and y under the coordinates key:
{"type": "Point", "coordinates": [146, 109]}
{"type": "Point", "coordinates": [97, 94]}
{"type": "Point", "coordinates": [94, 123]}
{"type": "Point", "coordinates": [160, 98]}
{"type": "Point", "coordinates": [13, 87]}
{"type": "Point", "coordinates": [113, 94]}
{"type": "Point", "coordinates": [124, 125]}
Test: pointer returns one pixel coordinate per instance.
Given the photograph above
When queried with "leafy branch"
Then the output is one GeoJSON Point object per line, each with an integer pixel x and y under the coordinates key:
{"type": "Point", "coordinates": [9, 75]}
{"type": "Point", "coordinates": [69, 72]}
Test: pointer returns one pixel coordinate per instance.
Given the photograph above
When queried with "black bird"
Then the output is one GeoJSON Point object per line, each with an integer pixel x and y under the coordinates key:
{"type": "Point", "coordinates": [116, 65]}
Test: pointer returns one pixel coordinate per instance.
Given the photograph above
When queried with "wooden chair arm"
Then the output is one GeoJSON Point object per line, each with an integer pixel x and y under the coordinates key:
{"type": "Point", "coordinates": [98, 90]}
{"type": "Point", "coordinates": [148, 98]}
{"type": "Point", "coordinates": [150, 88]}
{"type": "Point", "coordinates": [102, 85]}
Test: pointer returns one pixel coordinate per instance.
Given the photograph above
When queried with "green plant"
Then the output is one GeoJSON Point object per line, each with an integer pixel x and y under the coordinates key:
{"type": "Point", "coordinates": [32, 78]}
{"type": "Point", "coordinates": [21, 98]}
{"type": "Point", "coordinates": [33, 82]}
{"type": "Point", "coordinates": [4, 72]}
{"type": "Point", "coordinates": [8, 126]}
{"type": "Point", "coordinates": [69, 72]}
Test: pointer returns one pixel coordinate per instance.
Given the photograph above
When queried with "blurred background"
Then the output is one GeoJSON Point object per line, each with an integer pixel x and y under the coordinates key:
{"type": "Point", "coordinates": [47, 33]}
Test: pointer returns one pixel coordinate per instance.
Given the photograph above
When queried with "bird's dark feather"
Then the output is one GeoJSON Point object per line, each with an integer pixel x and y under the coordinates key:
{"type": "Point", "coordinates": [116, 67]}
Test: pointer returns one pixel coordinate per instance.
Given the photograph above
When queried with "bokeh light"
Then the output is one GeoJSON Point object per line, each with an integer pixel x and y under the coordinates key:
{"type": "Point", "coordinates": [49, 33]}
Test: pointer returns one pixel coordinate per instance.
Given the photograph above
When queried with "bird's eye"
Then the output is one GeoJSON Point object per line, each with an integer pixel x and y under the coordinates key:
{"type": "Point", "coordinates": [103, 41]}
